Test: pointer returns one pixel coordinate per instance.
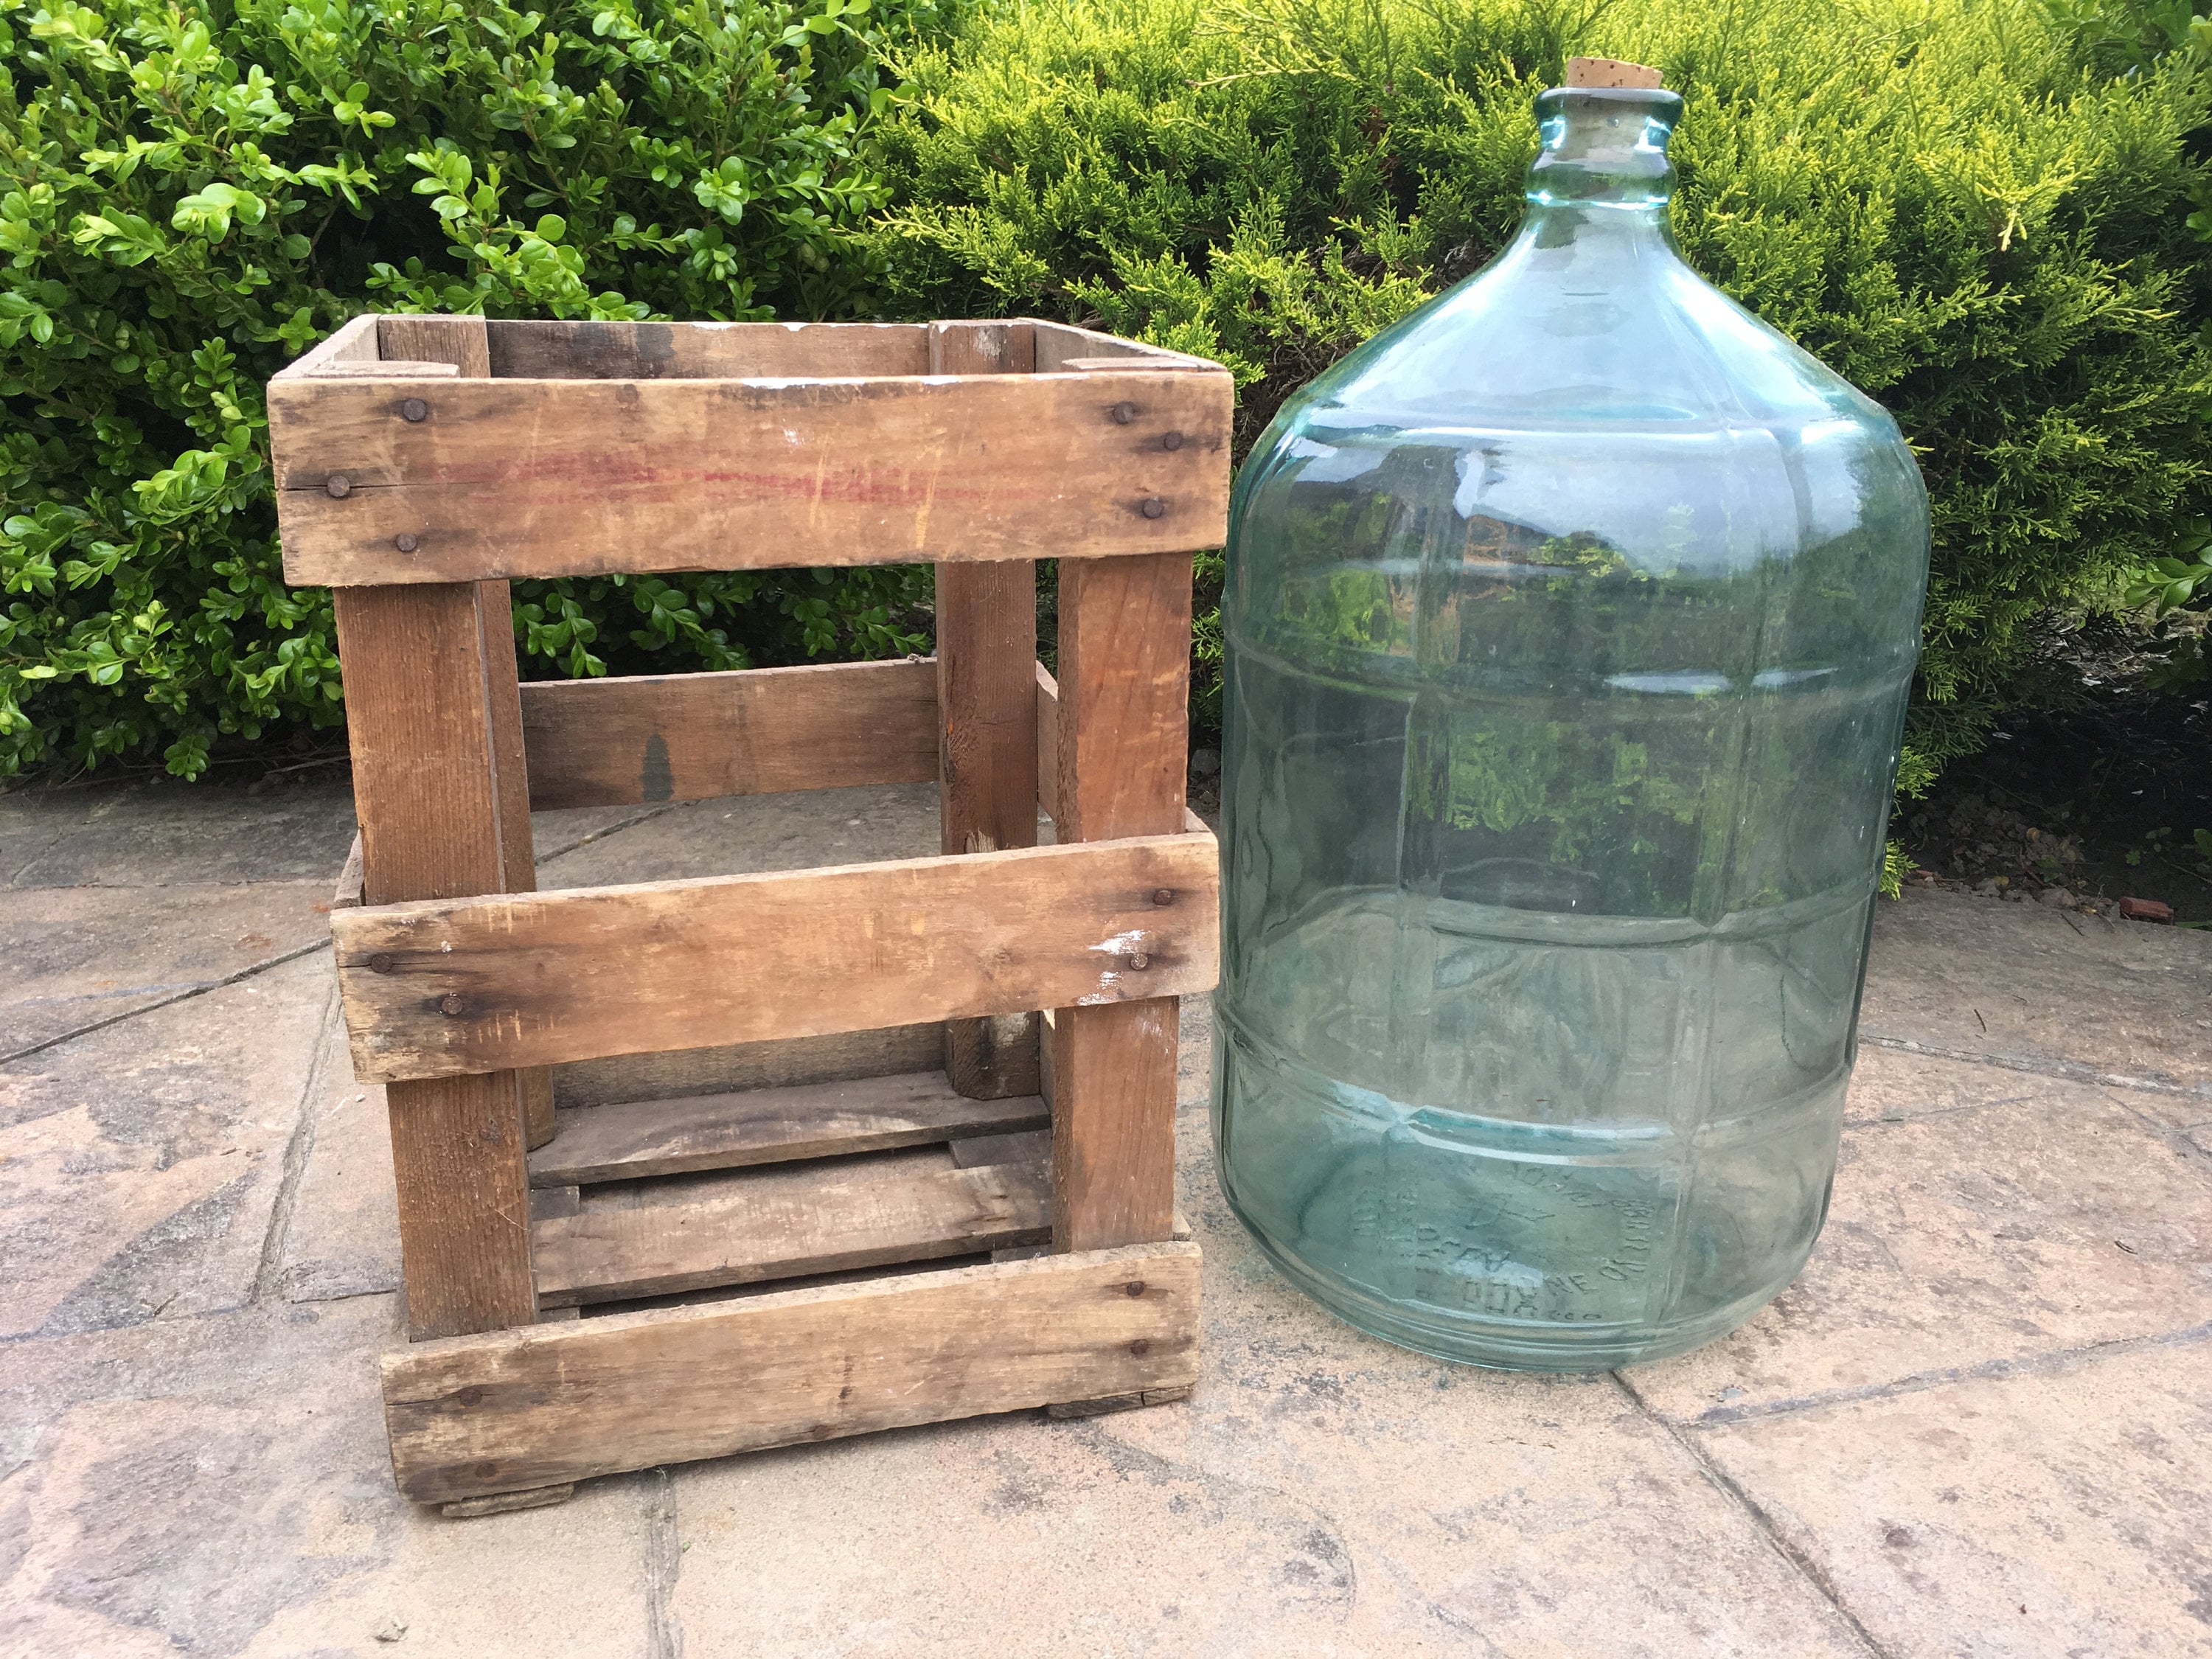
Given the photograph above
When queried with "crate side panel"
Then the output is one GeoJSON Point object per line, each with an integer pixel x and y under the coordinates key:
{"type": "Point", "coordinates": [552, 1403]}
{"type": "Point", "coordinates": [586, 477]}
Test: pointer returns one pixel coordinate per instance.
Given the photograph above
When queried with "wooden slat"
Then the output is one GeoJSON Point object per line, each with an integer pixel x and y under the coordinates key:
{"type": "Point", "coordinates": [535, 1407]}
{"type": "Point", "coordinates": [529, 980]}
{"type": "Point", "coordinates": [1061, 347]}
{"type": "Point", "coordinates": [1123, 727]}
{"type": "Point", "coordinates": [459, 341]}
{"type": "Point", "coordinates": [735, 1067]}
{"type": "Point", "coordinates": [760, 1225]}
{"type": "Point", "coordinates": [674, 351]}
{"type": "Point", "coordinates": [418, 675]}
{"type": "Point", "coordinates": [986, 724]}
{"type": "Point", "coordinates": [408, 369]}
{"type": "Point", "coordinates": [1048, 729]}
{"type": "Point", "coordinates": [583, 477]}
{"type": "Point", "coordinates": [347, 896]}
{"type": "Point", "coordinates": [758, 730]}
{"type": "Point", "coordinates": [768, 1125]}
{"type": "Point", "coordinates": [350, 343]}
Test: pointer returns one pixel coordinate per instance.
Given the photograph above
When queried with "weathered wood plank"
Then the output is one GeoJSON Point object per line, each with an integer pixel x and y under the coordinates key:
{"type": "Point", "coordinates": [1061, 346]}
{"type": "Point", "coordinates": [351, 342]}
{"type": "Point", "coordinates": [459, 341]}
{"type": "Point", "coordinates": [583, 477]}
{"type": "Point", "coordinates": [1123, 725]}
{"type": "Point", "coordinates": [408, 369]}
{"type": "Point", "coordinates": [347, 895]}
{"type": "Point", "coordinates": [1048, 723]}
{"type": "Point", "coordinates": [986, 724]}
{"type": "Point", "coordinates": [752, 1225]}
{"type": "Point", "coordinates": [758, 730]}
{"type": "Point", "coordinates": [732, 1067]}
{"type": "Point", "coordinates": [536, 1407]}
{"type": "Point", "coordinates": [532, 979]}
{"type": "Point", "coordinates": [419, 672]}
{"type": "Point", "coordinates": [695, 351]}
{"type": "Point", "coordinates": [768, 1125]}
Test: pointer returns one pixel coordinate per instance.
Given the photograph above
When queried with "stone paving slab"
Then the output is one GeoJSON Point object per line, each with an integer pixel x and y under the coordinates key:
{"type": "Point", "coordinates": [71, 958]}
{"type": "Point", "coordinates": [1979, 1214]}
{"type": "Point", "coordinates": [220, 1486]}
{"type": "Point", "coordinates": [140, 1165]}
{"type": "Point", "coordinates": [2033, 1516]}
{"type": "Point", "coordinates": [2045, 988]}
{"type": "Point", "coordinates": [124, 834]}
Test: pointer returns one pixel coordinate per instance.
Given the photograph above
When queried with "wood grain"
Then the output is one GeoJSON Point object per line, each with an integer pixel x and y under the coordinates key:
{"type": "Point", "coordinates": [538, 1406]}
{"type": "Point", "coordinates": [459, 341]}
{"type": "Point", "coordinates": [768, 1126]}
{"type": "Point", "coordinates": [419, 665]}
{"type": "Point", "coordinates": [528, 980]}
{"type": "Point", "coordinates": [583, 477]}
{"type": "Point", "coordinates": [756, 731]}
{"type": "Point", "coordinates": [1048, 727]}
{"type": "Point", "coordinates": [347, 894]}
{"type": "Point", "coordinates": [987, 728]}
{"type": "Point", "coordinates": [1123, 727]}
{"type": "Point", "coordinates": [1059, 346]}
{"type": "Point", "coordinates": [679, 351]}
{"type": "Point", "coordinates": [754, 1225]}
{"type": "Point", "coordinates": [413, 369]}
{"type": "Point", "coordinates": [733, 1067]}
{"type": "Point", "coordinates": [351, 342]}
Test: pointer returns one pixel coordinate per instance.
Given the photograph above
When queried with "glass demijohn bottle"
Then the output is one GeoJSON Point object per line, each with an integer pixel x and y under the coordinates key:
{"type": "Point", "coordinates": [1569, 623]}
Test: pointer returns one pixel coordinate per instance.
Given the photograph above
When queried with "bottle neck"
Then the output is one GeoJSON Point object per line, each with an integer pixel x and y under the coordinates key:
{"type": "Point", "coordinates": [1602, 168]}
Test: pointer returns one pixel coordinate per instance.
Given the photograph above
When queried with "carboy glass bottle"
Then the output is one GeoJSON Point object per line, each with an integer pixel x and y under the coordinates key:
{"type": "Point", "coordinates": [1569, 628]}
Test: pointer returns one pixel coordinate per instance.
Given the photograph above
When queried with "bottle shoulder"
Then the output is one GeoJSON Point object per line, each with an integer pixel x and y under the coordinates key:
{"type": "Point", "coordinates": [1586, 334]}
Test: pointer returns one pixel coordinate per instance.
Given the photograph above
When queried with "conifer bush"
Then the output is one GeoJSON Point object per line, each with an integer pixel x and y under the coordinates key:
{"type": "Point", "coordinates": [1949, 201]}
{"type": "Point", "coordinates": [192, 194]}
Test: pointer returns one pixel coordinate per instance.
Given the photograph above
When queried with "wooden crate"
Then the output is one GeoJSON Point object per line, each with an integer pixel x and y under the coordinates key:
{"type": "Point", "coordinates": [803, 1151]}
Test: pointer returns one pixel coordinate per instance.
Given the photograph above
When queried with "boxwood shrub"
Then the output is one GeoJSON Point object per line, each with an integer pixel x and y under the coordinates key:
{"type": "Point", "coordinates": [191, 193]}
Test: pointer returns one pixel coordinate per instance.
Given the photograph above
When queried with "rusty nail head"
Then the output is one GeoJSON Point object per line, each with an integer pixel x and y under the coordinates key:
{"type": "Point", "coordinates": [1140, 1346]}
{"type": "Point", "coordinates": [338, 486]}
{"type": "Point", "coordinates": [1163, 895]}
{"type": "Point", "coordinates": [1152, 507]}
{"type": "Point", "coordinates": [1134, 1287]}
{"type": "Point", "coordinates": [484, 1471]}
{"type": "Point", "coordinates": [380, 963]}
{"type": "Point", "coordinates": [414, 410]}
{"type": "Point", "coordinates": [1124, 413]}
{"type": "Point", "coordinates": [1172, 440]}
{"type": "Point", "coordinates": [471, 1395]}
{"type": "Point", "coordinates": [406, 541]}
{"type": "Point", "coordinates": [451, 1002]}
{"type": "Point", "coordinates": [1139, 961]}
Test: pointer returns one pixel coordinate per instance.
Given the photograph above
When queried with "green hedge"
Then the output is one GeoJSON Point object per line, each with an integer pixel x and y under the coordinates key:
{"type": "Point", "coordinates": [1948, 200]}
{"type": "Point", "coordinates": [1970, 207]}
{"type": "Point", "coordinates": [192, 193]}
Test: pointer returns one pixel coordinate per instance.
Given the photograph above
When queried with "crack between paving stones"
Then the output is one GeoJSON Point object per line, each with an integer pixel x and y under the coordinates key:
{"type": "Point", "coordinates": [584, 840]}
{"type": "Point", "coordinates": [1725, 1484]}
{"type": "Point", "coordinates": [2063, 1071]}
{"type": "Point", "coordinates": [664, 1565]}
{"type": "Point", "coordinates": [297, 1146]}
{"type": "Point", "coordinates": [2042, 1365]}
{"type": "Point", "coordinates": [261, 967]}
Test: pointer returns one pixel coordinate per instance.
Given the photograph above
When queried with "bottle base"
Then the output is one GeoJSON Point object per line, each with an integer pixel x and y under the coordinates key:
{"type": "Point", "coordinates": [1504, 1345]}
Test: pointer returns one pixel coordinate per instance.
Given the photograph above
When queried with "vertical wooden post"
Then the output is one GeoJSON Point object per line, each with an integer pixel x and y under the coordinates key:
{"type": "Point", "coordinates": [462, 342]}
{"type": "Point", "coordinates": [428, 670]}
{"type": "Point", "coordinates": [1124, 727]}
{"type": "Point", "coordinates": [986, 724]}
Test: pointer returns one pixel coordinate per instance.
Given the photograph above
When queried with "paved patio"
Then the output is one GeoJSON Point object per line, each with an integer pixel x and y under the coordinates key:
{"type": "Point", "coordinates": [1981, 1423]}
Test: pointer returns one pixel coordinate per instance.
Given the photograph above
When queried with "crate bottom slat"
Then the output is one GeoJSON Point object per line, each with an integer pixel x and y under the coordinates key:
{"type": "Point", "coordinates": [535, 1406]}
{"type": "Point", "coordinates": [697, 1232]}
{"type": "Point", "coordinates": [768, 1126]}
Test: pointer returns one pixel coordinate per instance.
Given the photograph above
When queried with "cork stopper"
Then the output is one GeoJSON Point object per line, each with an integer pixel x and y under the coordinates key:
{"type": "Point", "coordinates": [1610, 72]}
